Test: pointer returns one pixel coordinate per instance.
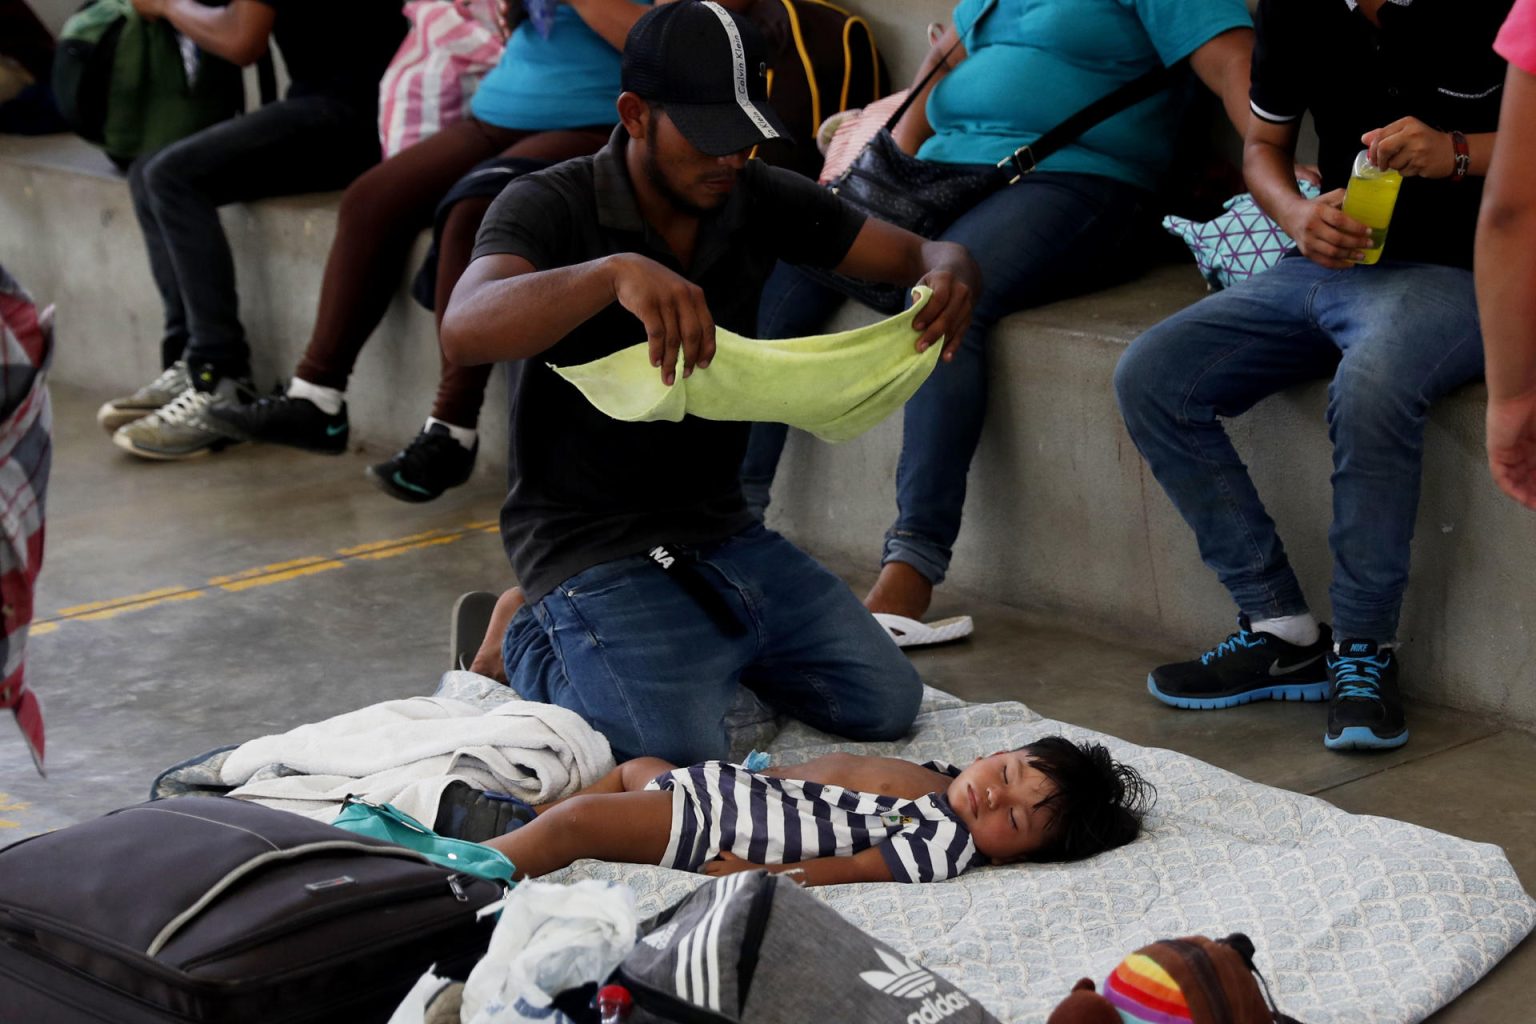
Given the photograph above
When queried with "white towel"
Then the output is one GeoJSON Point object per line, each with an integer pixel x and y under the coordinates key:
{"type": "Point", "coordinates": [405, 752]}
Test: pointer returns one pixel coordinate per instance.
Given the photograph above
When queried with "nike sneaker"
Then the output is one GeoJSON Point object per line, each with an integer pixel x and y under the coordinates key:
{"type": "Point", "coordinates": [425, 468]}
{"type": "Point", "coordinates": [1365, 712]}
{"type": "Point", "coordinates": [1243, 668]}
{"type": "Point", "coordinates": [161, 391]}
{"type": "Point", "coordinates": [282, 419]}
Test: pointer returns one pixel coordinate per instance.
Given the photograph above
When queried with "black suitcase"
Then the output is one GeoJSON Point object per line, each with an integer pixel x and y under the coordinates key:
{"type": "Point", "coordinates": [209, 909]}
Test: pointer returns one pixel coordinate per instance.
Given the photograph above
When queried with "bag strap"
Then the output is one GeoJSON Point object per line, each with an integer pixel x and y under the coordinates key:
{"type": "Point", "coordinates": [1095, 113]}
{"type": "Point", "coordinates": [1025, 159]}
{"type": "Point", "coordinates": [266, 78]}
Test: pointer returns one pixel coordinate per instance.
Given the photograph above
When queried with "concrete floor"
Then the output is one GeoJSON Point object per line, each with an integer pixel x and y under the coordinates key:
{"type": "Point", "coordinates": [188, 606]}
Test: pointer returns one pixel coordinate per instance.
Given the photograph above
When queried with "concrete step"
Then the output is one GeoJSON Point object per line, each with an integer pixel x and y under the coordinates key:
{"type": "Point", "coordinates": [1062, 516]}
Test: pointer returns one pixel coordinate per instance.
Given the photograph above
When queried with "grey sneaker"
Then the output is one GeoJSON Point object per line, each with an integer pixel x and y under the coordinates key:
{"type": "Point", "coordinates": [163, 390]}
{"type": "Point", "coordinates": [183, 429]}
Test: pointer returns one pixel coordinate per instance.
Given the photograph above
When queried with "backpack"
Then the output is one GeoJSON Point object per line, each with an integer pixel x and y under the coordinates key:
{"type": "Point", "coordinates": [756, 948]}
{"type": "Point", "coordinates": [124, 83]}
{"type": "Point", "coordinates": [825, 62]}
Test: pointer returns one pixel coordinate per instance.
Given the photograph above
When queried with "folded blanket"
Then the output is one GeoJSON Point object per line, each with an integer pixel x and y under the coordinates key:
{"type": "Point", "coordinates": [835, 386]}
{"type": "Point", "coordinates": [405, 752]}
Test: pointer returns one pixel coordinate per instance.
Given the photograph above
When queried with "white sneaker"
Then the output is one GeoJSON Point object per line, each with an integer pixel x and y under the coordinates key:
{"type": "Point", "coordinates": [183, 429]}
{"type": "Point", "coordinates": [163, 390]}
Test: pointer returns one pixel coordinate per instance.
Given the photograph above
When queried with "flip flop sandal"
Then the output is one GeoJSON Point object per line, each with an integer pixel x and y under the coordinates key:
{"type": "Point", "coordinates": [911, 633]}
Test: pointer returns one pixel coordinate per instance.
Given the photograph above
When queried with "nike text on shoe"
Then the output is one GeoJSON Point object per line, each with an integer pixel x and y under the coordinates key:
{"type": "Point", "coordinates": [1243, 668]}
{"type": "Point", "coordinates": [283, 419]}
{"type": "Point", "coordinates": [163, 390]}
{"type": "Point", "coordinates": [184, 428]}
{"type": "Point", "coordinates": [425, 468]}
{"type": "Point", "coordinates": [1365, 712]}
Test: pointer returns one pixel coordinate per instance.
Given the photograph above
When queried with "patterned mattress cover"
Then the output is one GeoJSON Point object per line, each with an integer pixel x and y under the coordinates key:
{"type": "Point", "coordinates": [1355, 918]}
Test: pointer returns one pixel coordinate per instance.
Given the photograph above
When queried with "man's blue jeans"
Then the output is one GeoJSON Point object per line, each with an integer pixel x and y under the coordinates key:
{"type": "Point", "coordinates": [626, 647]}
{"type": "Point", "coordinates": [1050, 236]}
{"type": "Point", "coordinates": [1394, 337]}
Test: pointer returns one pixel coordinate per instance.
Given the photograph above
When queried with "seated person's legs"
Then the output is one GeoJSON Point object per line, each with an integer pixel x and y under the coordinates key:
{"type": "Point", "coordinates": [442, 455]}
{"type": "Point", "coordinates": [1409, 335]}
{"type": "Point", "coordinates": [307, 144]}
{"type": "Point", "coordinates": [1212, 361]}
{"type": "Point", "coordinates": [1044, 239]}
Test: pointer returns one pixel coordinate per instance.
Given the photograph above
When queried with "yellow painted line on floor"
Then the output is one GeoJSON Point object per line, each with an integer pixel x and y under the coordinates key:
{"type": "Point", "coordinates": [261, 576]}
{"type": "Point", "coordinates": [7, 803]}
{"type": "Point", "coordinates": [277, 572]}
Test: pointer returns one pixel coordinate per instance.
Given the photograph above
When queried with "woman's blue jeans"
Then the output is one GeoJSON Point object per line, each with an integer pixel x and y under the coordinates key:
{"type": "Point", "coordinates": [1049, 236]}
{"type": "Point", "coordinates": [1394, 337]}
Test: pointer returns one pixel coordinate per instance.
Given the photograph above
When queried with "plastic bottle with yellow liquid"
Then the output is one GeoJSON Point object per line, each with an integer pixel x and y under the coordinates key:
{"type": "Point", "coordinates": [1371, 195]}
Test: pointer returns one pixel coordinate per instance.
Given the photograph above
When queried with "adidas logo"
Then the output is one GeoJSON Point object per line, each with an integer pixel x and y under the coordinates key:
{"type": "Point", "coordinates": [662, 937]}
{"type": "Point", "coordinates": [909, 981]}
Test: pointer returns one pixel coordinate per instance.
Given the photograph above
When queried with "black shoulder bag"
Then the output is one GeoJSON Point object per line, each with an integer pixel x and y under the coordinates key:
{"type": "Point", "coordinates": [926, 196]}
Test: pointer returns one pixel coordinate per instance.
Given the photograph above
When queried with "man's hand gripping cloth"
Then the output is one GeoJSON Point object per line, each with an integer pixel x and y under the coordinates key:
{"type": "Point", "coordinates": [835, 386]}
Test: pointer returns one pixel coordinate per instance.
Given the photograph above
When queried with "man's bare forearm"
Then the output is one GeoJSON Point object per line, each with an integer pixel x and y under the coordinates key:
{"type": "Point", "coordinates": [237, 32]}
{"type": "Point", "coordinates": [1270, 172]}
{"type": "Point", "coordinates": [492, 318]}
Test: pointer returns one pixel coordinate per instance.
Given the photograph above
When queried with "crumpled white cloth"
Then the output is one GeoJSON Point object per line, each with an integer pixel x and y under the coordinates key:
{"type": "Point", "coordinates": [406, 752]}
{"type": "Point", "coordinates": [550, 938]}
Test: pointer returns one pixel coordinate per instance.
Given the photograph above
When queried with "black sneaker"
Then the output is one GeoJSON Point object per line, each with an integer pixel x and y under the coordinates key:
{"type": "Point", "coordinates": [282, 419]}
{"type": "Point", "coordinates": [464, 812]}
{"type": "Point", "coordinates": [425, 468]}
{"type": "Point", "coordinates": [1366, 712]}
{"type": "Point", "coordinates": [1243, 668]}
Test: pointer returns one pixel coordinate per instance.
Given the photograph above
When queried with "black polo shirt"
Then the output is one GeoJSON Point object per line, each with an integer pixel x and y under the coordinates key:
{"type": "Point", "coordinates": [584, 488]}
{"type": "Point", "coordinates": [1432, 60]}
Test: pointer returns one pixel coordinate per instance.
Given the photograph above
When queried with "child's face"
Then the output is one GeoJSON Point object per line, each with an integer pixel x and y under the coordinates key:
{"type": "Point", "coordinates": [997, 799]}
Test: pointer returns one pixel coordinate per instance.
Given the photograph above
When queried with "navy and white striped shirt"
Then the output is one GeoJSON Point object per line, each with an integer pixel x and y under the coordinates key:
{"type": "Point", "coordinates": [766, 820]}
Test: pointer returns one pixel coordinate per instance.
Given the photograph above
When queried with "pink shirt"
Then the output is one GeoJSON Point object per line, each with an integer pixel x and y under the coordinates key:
{"type": "Point", "coordinates": [1517, 39]}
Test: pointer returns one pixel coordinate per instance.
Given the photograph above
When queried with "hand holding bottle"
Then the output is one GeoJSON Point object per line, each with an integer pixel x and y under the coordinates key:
{"type": "Point", "coordinates": [1325, 234]}
{"type": "Point", "coordinates": [1412, 148]}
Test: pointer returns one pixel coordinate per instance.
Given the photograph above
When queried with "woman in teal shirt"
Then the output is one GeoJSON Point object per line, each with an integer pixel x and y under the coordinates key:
{"type": "Point", "coordinates": [1013, 70]}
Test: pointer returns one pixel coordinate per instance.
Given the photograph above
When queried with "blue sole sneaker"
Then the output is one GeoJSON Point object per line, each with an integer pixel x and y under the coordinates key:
{"type": "Point", "coordinates": [1365, 711]}
{"type": "Point", "coordinates": [1244, 668]}
{"type": "Point", "coordinates": [1309, 692]}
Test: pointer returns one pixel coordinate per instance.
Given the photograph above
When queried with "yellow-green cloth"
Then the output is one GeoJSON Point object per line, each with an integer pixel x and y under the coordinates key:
{"type": "Point", "coordinates": [835, 386]}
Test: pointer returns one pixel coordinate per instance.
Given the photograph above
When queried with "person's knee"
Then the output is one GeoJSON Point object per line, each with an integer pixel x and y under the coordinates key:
{"type": "Point", "coordinates": [891, 714]}
{"type": "Point", "coordinates": [156, 176]}
{"type": "Point", "coordinates": [1374, 405]}
{"type": "Point", "coordinates": [1137, 380]}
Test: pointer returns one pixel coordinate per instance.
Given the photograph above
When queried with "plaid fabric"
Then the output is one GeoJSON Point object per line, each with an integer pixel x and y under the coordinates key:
{"type": "Point", "coordinates": [26, 421]}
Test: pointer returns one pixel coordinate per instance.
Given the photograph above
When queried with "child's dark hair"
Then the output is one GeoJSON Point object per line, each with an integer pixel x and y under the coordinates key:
{"type": "Point", "coordinates": [1098, 804]}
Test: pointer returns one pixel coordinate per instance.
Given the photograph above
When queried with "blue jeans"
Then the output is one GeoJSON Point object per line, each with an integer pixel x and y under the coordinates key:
{"type": "Point", "coordinates": [1050, 236]}
{"type": "Point", "coordinates": [626, 647]}
{"type": "Point", "coordinates": [1394, 337]}
{"type": "Point", "coordinates": [303, 144]}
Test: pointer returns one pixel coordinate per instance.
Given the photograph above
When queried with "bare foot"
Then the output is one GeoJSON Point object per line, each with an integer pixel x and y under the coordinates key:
{"type": "Point", "coordinates": [488, 658]}
{"type": "Point", "coordinates": [900, 590]}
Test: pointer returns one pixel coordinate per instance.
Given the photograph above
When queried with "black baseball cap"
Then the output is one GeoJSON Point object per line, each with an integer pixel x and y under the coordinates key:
{"type": "Point", "coordinates": [709, 68]}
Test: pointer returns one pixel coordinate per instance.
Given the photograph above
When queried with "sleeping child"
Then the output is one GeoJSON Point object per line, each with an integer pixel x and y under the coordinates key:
{"type": "Point", "coordinates": [844, 817]}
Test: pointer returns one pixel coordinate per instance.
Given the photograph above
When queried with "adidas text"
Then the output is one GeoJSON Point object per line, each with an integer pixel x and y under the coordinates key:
{"type": "Point", "coordinates": [937, 1008]}
{"type": "Point", "coordinates": [661, 556]}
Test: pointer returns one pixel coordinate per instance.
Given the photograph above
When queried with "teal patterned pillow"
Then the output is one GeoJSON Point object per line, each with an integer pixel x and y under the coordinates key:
{"type": "Point", "coordinates": [1239, 243]}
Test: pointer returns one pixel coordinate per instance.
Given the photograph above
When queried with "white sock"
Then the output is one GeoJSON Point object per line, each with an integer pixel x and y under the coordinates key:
{"type": "Point", "coordinates": [329, 400]}
{"type": "Point", "coordinates": [463, 435]}
{"type": "Point", "coordinates": [1300, 630]}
